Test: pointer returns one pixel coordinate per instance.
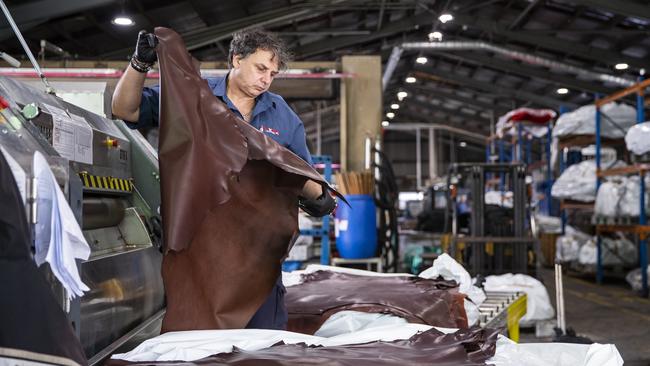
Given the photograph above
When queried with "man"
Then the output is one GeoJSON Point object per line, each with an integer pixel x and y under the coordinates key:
{"type": "Point", "coordinates": [255, 58]}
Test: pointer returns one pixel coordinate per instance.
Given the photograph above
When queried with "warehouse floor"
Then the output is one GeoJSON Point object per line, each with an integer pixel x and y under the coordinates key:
{"type": "Point", "coordinates": [608, 313]}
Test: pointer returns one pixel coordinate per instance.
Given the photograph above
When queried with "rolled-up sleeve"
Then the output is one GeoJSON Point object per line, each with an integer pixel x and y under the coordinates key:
{"type": "Point", "coordinates": [149, 109]}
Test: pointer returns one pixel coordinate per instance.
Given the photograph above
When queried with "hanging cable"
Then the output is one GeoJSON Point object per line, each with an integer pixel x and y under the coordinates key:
{"type": "Point", "coordinates": [10, 19]}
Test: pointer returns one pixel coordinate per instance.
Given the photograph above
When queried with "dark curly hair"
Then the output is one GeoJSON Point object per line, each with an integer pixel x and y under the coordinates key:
{"type": "Point", "coordinates": [246, 42]}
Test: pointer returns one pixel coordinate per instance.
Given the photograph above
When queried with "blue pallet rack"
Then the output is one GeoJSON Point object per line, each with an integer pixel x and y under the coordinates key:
{"type": "Point", "coordinates": [324, 232]}
{"type": "Point", "coordinates": [641, 228]}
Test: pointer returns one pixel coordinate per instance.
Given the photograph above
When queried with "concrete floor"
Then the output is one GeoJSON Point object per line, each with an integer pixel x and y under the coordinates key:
{"type": "Point", "coordinates": [607, 313]}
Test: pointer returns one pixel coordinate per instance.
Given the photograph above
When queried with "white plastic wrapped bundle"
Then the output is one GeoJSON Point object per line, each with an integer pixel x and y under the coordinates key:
{"type": "Point", "coordinates": [620, 197]}
{"type": "Point", "coordinates": [634, 278]}
{"type": "Point", "coordinates": [637, 138]}
{"type": "Point", "coordinates": [503, 199]}
{"type": "Point", "coordinates": [578, 182]}
{"type": "Point", "coordinates": [615, 252]}
{"type": "Point", "coordinates": [617, 119]}
{"type": "Point", "coordinates": [568, 245]}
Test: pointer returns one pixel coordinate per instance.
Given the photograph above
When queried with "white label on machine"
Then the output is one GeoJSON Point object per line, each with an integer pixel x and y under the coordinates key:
{"type": "Point", "coordinates": [55, 111]}
{"type": "Point", "coordinates": [71, 137]}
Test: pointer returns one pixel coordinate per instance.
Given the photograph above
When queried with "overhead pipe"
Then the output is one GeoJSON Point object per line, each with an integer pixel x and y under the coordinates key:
{"type": "Point", "coordinates": [484, 46]}
{"type": "Point", "coordinates": [435, 126]}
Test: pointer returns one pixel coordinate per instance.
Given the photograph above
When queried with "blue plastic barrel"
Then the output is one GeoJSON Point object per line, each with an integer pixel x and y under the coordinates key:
{"type": "Point", "coordinates": [356, 227]}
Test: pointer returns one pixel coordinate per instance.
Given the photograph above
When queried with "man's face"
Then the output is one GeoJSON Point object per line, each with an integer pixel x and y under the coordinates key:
{"type": "Point", "coordinates": [254, 73]}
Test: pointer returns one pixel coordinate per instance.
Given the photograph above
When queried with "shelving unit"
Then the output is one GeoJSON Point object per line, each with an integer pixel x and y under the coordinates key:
{"type": "Point", "coordinates": [324, 232]}
{"type": "Point", "coordinates": [641, 229]}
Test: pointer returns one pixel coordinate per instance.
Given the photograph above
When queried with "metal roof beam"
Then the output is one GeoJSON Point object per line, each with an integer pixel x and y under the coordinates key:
{"type": "Point", "coordinates": [577, 50]}
{"type": "Point", "coordinates": [623, 7]}
{"type": "Point", "coordinates": [493, 88]}
{"type": "Point", "coordinates": [389, 29]}
{"type": "Point", "coordinates": [532, 72]}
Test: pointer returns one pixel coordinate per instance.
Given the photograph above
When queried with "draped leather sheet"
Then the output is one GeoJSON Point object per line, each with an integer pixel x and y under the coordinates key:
{"type": "Point", "coordinates": [469, 347]}
{"type": "Point", "coordinates": [418, 300]}
{"type": "Point", "coordinates": [30, 318]}
{"type": "Point", "coordinates": [229, 201]}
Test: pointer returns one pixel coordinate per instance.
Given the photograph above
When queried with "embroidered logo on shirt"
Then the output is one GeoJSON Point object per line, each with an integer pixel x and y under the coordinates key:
{"type": "Point", "coordinates": [270, 130]}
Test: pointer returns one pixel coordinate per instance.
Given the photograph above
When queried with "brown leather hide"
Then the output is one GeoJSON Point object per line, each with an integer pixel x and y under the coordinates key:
{"type": "Point", "coordinates": [418, 300]}
{"type": "Point", "coordinates": [229, 201]}
{"type": "Point", "coordinates": [467, 347]}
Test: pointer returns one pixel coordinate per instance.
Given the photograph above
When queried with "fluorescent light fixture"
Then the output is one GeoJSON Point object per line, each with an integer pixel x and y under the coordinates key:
{"type": "Point", "coordinates": [123, 20]}
{"type": "Point", "coordinates": [390, 115]}
{"type": "Point", "coordinates": [410, 80]}
{"type": "Point", "coordinates": [385, 123]}
{"type": "Point", "coordinates": [394, 106]}
{"type": "Point", "coordinates": [435, 36]}
{"type": "Point", "coordinates": [421, 60]}
{"type": "Point", "coordinates": [621, 66]}
{"type": "Point", "coordinates": [462, 144]}
{"type": "Point", "coordinates": [401, 95]}
{"type": "Point", "coordinates": [445, 17]}
{"type": "Point", "coordinates": [562, 91]}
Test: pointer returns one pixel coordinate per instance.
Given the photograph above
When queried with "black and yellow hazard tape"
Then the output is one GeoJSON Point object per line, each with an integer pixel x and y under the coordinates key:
{"type": "Point", "coordinates": [108, 183]}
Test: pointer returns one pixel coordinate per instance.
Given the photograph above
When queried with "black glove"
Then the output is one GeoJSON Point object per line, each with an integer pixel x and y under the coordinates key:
{"type": "Point", "coordinates": [321, 206]}
{"type": "Point", "coordinates": [145, 51]}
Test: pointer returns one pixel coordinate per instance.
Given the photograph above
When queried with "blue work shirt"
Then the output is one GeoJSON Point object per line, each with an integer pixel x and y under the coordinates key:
{"type": "Point", "coordinates": [271, 115]}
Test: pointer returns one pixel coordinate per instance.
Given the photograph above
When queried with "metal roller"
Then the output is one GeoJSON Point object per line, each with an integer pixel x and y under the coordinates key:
{"type": "Point", "coordinates": [99, 212]}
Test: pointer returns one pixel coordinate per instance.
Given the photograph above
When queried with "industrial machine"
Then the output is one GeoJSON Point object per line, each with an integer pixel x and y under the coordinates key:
{"type": "Point", "coordinates": [109, 174]}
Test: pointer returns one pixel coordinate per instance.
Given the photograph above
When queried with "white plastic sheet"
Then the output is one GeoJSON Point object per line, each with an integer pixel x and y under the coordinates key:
{"type": "Point", "coordinates": [348, 321]}
{"type": "Point", "coordinates": [194, 345]}
{"type": "Point", "coordinates": [58, 237]}
{"type": "Point", "coordinates": [637, 138]}
{"type": "Point", "coordinates": [538, 306]}
{"type": "Point", "coordinates": [617, 119]}
{"type": "Point", "coordinates": [510, 353]}
{"type": "Point", "coordinates": [614, 252]}
{"type": "Point", "coordinates": [446, 267]}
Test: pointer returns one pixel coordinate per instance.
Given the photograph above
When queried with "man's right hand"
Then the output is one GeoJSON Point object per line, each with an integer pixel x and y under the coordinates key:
{"type": "Point", "coordinates": [145, 49]}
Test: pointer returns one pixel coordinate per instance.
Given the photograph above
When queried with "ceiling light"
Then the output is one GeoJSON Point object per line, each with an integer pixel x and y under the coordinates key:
{"type": "Point", "coordinates": [621, 66]}
{"type": "Point", "coordinates": [445, 17]}
{"type": "Point", "coordinates": [390, 115]}
{"type": "Point", "coordinates": [401, 95]}
{"type": "Point", "coordinates": [385, 123]}
{"type": "Point", "coordinates": [562, 91]}
{"type": "Point", "coordinates": [462, 144]}
{"type": "Point", "coordinates": [435, 36]}
{"type": "Point", "coordinates": [421, 60]}
{"type": "Point", "coordinates": [123, 20]}
{"type": "Point", "coordinates": [410, 80]}
{"type": "Point", "coordinates": [394, 106]}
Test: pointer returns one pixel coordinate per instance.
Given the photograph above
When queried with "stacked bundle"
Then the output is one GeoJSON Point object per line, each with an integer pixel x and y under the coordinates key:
{"type": "Point", "coordinates": [355, 182]}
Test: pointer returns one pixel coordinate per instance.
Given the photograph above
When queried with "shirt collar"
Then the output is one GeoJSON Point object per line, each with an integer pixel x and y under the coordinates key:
{"type": "Point", "coordinates": [262, 102]}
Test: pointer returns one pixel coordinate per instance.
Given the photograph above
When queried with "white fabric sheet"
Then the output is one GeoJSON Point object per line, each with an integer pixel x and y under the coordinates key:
{"type": "Point", "coordinates": [58, 237]}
